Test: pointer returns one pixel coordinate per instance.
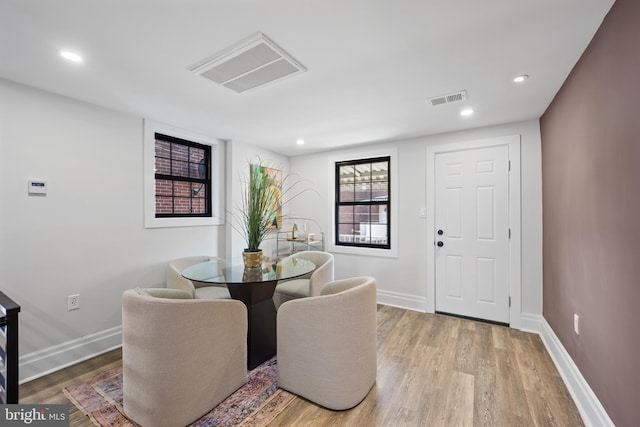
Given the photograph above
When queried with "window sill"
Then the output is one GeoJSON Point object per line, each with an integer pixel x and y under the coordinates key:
{"type": "Point", "coordinates": [355, 250]}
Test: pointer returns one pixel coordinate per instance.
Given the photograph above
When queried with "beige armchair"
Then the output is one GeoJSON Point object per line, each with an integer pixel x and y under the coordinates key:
{"type": "Point", "coordinates": [327, 344]}
{"type": "Point", "coordinates": [198, 290]}
{"type": "Point", "coordinates": [309, 285]}
{"type": "Point", "coordinates": [180, 356]}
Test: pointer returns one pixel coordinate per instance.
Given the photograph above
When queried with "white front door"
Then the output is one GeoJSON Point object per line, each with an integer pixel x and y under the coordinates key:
{"type": "Point", "coordinates": [472, 233]}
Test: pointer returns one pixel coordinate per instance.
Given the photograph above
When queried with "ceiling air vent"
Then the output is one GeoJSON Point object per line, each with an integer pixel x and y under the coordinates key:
{"type": "Point", "coordinates": [254, 62]}
{"type": "Point", "coordinates": [447, 99]}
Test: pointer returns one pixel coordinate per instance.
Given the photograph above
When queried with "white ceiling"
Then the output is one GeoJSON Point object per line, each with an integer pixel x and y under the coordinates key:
{"type": "Point", "coordinates": [371, 63]}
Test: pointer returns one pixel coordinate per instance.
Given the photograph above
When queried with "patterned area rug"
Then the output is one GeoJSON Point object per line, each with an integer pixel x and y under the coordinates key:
{"type": "Point", "coordinates": [254, 404]}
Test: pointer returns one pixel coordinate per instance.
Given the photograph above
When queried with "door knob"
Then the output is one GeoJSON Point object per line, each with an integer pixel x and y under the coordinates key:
{"type": "Point", "coordinates": [440, 244]}
{"type": "Point", "coordinates": [440, 232]}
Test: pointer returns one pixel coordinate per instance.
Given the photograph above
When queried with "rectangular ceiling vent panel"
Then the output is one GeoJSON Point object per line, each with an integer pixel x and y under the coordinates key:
{"type": "Point", "coordinates": [252, 63]}
{"type": "Point", "coordinates": [447, 99]}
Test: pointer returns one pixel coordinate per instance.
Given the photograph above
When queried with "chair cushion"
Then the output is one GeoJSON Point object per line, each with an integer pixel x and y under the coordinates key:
{"type": "Point", "coordinates": [212, 292]}
{"type": "Point", "coordinates": [298, 288]}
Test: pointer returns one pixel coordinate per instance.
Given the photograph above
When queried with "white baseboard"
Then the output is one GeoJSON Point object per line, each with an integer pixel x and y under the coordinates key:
{"type": "Point", "coordinates": [406, 301]}
{"type": "Point", "coordinates": [48, 360]}
{"type": "Point", "coordinates": [531, 322]}
{"type": "Point", "coordinates": [591, 410]}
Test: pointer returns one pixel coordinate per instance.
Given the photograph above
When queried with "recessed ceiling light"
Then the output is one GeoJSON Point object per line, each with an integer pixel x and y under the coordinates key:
{"type": "Point", "coordinates": [300, 142]}
{"type": "Point", "coordinates": [71, 56]}
{"type": "Point", "coordinates": [466, 112]}
{"type": "Point", "coordinates": [520, 78]}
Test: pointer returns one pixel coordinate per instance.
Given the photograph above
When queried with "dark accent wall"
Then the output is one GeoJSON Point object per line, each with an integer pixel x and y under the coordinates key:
{"type": "Point", "coordinates": [591, 213]}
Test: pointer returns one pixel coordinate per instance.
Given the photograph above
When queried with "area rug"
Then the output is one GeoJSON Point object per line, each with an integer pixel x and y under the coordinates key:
{"type": "Point", "coordinates": [255, 404]}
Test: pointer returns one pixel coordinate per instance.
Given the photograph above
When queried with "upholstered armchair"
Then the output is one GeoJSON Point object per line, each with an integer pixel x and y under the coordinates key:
{"type": "Point", "coordinates": [327, 344]}
{"type": "Point", "coordinates": [310, 284]}
{"type": "Point", "coordinates": [180, 356]}
{"type": "Point", "coordinates": [198, 290]}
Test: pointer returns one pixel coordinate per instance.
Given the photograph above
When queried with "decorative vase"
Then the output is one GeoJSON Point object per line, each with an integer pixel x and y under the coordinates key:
{"type": "Point", "coordinates": [252, 259]}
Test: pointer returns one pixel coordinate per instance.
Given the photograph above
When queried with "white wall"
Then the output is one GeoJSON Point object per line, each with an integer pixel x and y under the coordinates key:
{"type": "Point", "coordinates": [402, 280]}
{"type": "Point", "coordinates": [86, 236]}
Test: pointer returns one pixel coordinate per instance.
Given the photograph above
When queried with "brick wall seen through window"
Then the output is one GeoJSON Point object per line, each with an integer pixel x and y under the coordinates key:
{"type": "Point", "coordinates": [182, 178]}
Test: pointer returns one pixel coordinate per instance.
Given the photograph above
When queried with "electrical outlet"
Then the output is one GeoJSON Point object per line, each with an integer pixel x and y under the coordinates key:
{"type": "Point", "coordinates": [73, 302]}
{"type": "Point", "coordinates": [576, 324]}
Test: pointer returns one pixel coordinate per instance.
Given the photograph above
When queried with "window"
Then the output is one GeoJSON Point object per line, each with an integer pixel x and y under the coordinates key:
{"type": "Point", "coordinates": [362, 206]}
{"type": "Point", "coordinates": [182, 176]}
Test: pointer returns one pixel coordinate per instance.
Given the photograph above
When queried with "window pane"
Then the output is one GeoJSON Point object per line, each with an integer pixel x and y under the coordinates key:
{"type": "Point", "coordinates": [181, 205]}
{"type": "Point", "coordinates": [179, 152]}
{"type": "Point", "coordinates": [164, 187]}
{"type": "Point", "coordinates": [164, 205]}
{"type": "Point", "coordinates": [373, 231]}
{"type": "Point", "coordinates": [346, 233]}
{"type": "Point", "coordinates": [363, 192]}
{"type": "Point", "coordinates": [198, 163]}
{"type": "Point", "coordinates": [346, 180]}
{"type": "Point", "coordinates": [380, 180]}
{"type": "Point", "coordinates": [198, 190]}
{"type": "Point", "coordinates": [363, 173]}
{"type": "Point", "coordinates": [163, 166]}
{"type": "Point", "coordinates": [346, 193]}
{"type": "Point", "coordinates": [380, 171]}
{"type": "Point", "coordinates": [346, 174]}
{"type": "Point", "coordinates": [196, 154]}
{"type": "Point", "coordinates": [198, 170]}
{"type": "Point", "coordinates": [182, 189]}
{"type": "Point", "coordinates": [361, 214]}
{"type": "Point", "coordinates": [378, 233]}
{"type": "Point", "coordinates": [163, 149]}
{"type": "Point", "coordinates": [345, 214]}
{"type": "Point", "coordinates": [379, 214]}
{"type": "Point", "coordinates": [198, 206]}
{"type": "Point", "coordinates": [179, 168]}
{"type": "Point", "coordinates": [380, 191]}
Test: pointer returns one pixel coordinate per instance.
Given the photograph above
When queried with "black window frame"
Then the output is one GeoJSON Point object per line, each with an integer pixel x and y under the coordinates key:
{"type": "Point", "coordinates": [371, 202]}
{"type": "Point", "coordinates": [206, 181]}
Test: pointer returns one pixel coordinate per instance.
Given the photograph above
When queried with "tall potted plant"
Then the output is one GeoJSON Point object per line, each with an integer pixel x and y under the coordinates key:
{"type": "Point", "coordinates": [258, 211]}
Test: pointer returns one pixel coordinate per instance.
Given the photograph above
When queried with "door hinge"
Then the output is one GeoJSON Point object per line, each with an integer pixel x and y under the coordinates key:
{"type": "Point", "coordinates": [509, 165]}
{"type": "Point", "coordinates": [509, 301]}
{"type": "Point", "coordinates": [509, 233]}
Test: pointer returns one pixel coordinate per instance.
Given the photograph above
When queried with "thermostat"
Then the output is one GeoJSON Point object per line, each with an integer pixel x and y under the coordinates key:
{"type": "Point", "coordinates": [37, 187]}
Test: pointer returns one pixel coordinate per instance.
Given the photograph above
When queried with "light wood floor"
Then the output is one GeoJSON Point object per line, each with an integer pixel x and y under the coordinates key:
{"type": "Point", "coordinates": [433, 370]}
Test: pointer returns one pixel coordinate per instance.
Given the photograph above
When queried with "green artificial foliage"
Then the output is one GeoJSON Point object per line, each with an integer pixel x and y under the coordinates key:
{"type": "Point", "coordinates": [260, 201]}
{"type": "Point", "coordinates": [264, 193]}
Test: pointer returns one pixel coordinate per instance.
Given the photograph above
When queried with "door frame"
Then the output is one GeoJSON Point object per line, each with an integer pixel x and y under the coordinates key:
{"type": "Point", "coordinates": [515, 243]}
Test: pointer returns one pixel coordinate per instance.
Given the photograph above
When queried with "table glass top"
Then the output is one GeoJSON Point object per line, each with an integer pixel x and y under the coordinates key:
{"type": "Point", "coordinates": [220, 271]}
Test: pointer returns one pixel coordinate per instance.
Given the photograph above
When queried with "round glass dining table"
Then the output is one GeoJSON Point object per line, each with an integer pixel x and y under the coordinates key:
{"type": "Point", "coordinates": [255, 288]}
{"type": "Point", "coordinates": [222, 272]}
